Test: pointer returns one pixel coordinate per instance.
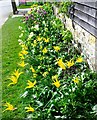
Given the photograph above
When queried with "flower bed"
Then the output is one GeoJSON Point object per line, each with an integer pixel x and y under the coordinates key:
{"type": "Point", "coordinates": [60, 83]}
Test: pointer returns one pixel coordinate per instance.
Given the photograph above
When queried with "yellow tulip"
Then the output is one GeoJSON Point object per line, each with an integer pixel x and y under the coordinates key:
{"type": "Point", "coordinates": [30, 84]}
{"type": "Point", "coordinates": [44, 50]}
{"type": "Point", "coordinates": [70, 63]}
{"type": "Point", "coordinates": [22, 64]}
{"type": "Point", "coordinates": [46, 40]}
{"type": "Point", "coordinates": [56, 83]}
{"type": "Point", "coordinates": [38, 38]}
{"type": "Point", "coordinates": [76, 80]}
{"type": "Point", "coordinates": [24, 47]}
{"type": "Point", "coordinates": [61, 64]}
{"type": "Point", "coordinates": [57, 48]}
{"type": "Point", "coordinates": [17, 73]}
{"type": "Point", "coordinates": [31, 68]}
{"type": "Point", "coordinates": [55, 77]}
{"type": "Point", "coordinates": [79, 60]}
{"type": "Point", "coordinates": [21, 56]}
{"type": "Point", "coordinates": [29, 109]}
{"type": "Point", "coordinates": [45, 74]}
{"type": "Point", "coordinates": [13, 79]}
{"type": "Point", "coordinates": [24, 52]}
{"type": "Point", "coordinates": [9, 107]}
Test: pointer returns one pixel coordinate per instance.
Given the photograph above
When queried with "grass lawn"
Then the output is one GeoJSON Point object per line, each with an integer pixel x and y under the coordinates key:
{"type": "Point", "coordinates": [10, 50]}
{"type": "Point", "coordinates": [27, 5]}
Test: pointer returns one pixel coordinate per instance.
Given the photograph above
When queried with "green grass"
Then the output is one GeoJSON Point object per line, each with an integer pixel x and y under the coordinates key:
{"type": "Point", "coordinates": [27, 5]}
{"type": "Point", "coordinates": [23, 6]}
{"type": "Point", "coordinates": [10, 50]}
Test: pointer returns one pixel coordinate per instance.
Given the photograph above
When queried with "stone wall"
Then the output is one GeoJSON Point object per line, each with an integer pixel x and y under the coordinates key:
{"type": "Point", "coordinates": [83, 40]}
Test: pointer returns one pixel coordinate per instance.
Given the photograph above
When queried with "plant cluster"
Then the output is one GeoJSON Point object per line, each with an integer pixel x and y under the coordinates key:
{"type": "Point", "coordinates": [60, 84]}
{"type": "Point", "coordinates": [64, 6]}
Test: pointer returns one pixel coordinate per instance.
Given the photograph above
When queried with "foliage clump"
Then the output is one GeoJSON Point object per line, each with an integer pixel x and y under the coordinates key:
{"type": "Point", "coordinates": [60, 83]}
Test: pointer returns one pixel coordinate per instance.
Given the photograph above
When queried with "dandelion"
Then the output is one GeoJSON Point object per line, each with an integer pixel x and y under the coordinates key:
{"type": "Point", "coordinates": [29, 109]}
{"type": "Point", "coordinates": [79, 59]}
{"type": "Point", "coordinates": [57, 48]}
{"type": "Point", "coordinates": [22, 64]}
{"type": "Point", "coordinates": [31, 68]}
{"type": "Point", "coordinates": [70, 63]}
{"type": "Point", "coordinates": [9, 107]}
{"type": "Point", "coordinates": [13, 79]}
{"type": "Point", "coordinates": [61, 64]}
{"type": "Point", "coordinates": [76, 80]}
{"type": "Point", "coordinates": [30, 84]}
{"type": "Point", "coordinates": [44, 50]}
{"type": "Point", "coordinates": [17, 73]}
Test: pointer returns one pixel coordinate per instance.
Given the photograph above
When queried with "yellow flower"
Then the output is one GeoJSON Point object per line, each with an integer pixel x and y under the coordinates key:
{"type": "Point", "coordinates": [45, 74]}
{"type": "Point", "coordinates": [79, 60]}
{"type": "Point", "coordinates": [56, 83]}
{"type": "Point", "coordinates": [22, 64]}
{"type": "Point", "coordinates": [34, 75]}
{"type": "Point", "coordinates": [55, 77]}
{"type": "Point", "coordinates": [9, 107]}
{"type": "Point", "coordinates": [29, 12]}
{"type": "Point", "coordinates": [35, 43]}
{"type": "Point", "coordinates": [57, 48]}
{"type": "Point", "coordinates": [13, 79]}
{"type": "Point", "coordinates": [21, 56]}
{"type": "Point", "coordinates": [76, 80]}
{"type": "Point", "coordinates": [46, 40]}
{"type": "Point", "coordinates": [24, 52]}
{"type": "Point", "coordinates": [30, 84]}
{"type": "Point", "coordinates": [44, 50]}
{"type": "Point", "coordinates": [31, 68]}
{"type": "Point", "coordinates": [35, 5]}
{"type": "Point", "coordinates": [24, 47]}
{"type": "Point", "coordinates": [17, 73]}
{"type": "Point", "coordinates": [61, 64]}
{"type": "Point", "coordinates": [41, 47]}
{"type": "Point", "coordinates": [29, 109]}
{"type": "Point", "coordinates": [41, 58]}
{"type": "Point", "coordinates": [70, 63]}
{"type": "Point", "coordinates": [38, 38]}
